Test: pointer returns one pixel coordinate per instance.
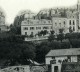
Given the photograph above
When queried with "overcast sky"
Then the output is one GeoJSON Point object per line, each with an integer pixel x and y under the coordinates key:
{"type": "Point", "coordinates": [12, 7]}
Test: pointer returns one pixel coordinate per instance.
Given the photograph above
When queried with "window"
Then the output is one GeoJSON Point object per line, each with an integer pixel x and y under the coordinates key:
{"type": "Point", "coordinates": [73, 22]}
{"type": "Point", "coordinates": [0, 29]}
{"type": "Point", "coordinates": [64, 23]}
{"type": "Point", "coordinates": [49, 21]}
{"type": "Point", "coordinates": [31, 28]}
{"type": "Point", "coordinates": [38, 28]}
{"type": "Point", "coordinates": [69, 58]}
{"type": "Point", "coordinates": [60, 24]}
{"type": "Point", "coordinates": [25, 28]}
{"type": "Point", "coordinates": [55, 24]}
{"type": "Point", "coordinates": [53, 57]}
{"type": "Point", "coordinates": [45, 28]}
{"type": "Point", "coordinates": [70, 22]}
{"type": "Point", "coordinates": [25, 33]}
{"type": "Point", "coordinates": [73, 28]}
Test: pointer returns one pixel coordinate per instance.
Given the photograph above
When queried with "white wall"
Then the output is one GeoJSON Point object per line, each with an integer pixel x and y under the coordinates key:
{"type": "Point", "coordinates": [48, 59]}
{"type": "Point", "coordinates": [35, 31]}
{"type": "Point", "coordinates": [57, 26]}
{"type": "Point", "coordinates": [74, 59]}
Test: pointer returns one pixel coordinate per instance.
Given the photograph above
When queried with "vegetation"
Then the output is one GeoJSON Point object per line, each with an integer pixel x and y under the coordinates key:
{"type": "Point", "coordinates": [15, 51]}
{"type": "Point", "coordinates": [60, 36]}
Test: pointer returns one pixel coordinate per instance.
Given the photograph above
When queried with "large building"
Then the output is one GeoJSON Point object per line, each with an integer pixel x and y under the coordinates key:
{"type": "Point", "coordinates": [67, 19]}
{"type": "Point", "coordinates": [55, 58]}
{"type": "Point", "coordinates": [35, 26]}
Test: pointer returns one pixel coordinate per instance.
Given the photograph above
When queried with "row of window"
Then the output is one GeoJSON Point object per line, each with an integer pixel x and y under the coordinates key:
{"type": "Point", "coordinates": [60, 23]}
{"type": "Point", "coordinates": [72, 22]}
{"type": "Point", "coordinates": [37, 22]}
{"type": "Point", "coordinates": [72, 28]}
{"type": "Point", "coordinates": [63, 22]}
{"type": "Point", "coordinates": [27, 34]}
{"type": "Point", "coordinates": [37, 28]}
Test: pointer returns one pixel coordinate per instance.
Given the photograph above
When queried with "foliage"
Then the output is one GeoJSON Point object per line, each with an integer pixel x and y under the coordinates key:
{"type": "Point", "coordinates": [51, 37]}
{"type": "Point", "coordinates": [42, 32]}
{"type": "Point", "coordinates": [52, 32]}
{"type": "Point", "coordinates": [14, 50]}
{"type": "Point", "coordinates": [70, 29]}
{"type": "Point", "coordinates": [15, 30]}
{"type": "Point", "coordinates": [60, 36]}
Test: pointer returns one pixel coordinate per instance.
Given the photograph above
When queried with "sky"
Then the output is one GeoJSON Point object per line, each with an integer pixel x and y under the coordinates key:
{"type": "Point", "coordinates": [13, 7]}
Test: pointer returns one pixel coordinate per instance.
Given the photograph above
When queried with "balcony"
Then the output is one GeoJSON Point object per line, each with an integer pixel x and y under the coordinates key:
{"type": "Point", "coordinates": [36, 38]}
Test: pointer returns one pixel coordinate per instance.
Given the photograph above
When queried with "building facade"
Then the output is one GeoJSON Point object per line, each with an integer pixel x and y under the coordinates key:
{"type": "Point", "coordinates": [55, 58]}
{"type": "Point", "coordinates": [59, 23]}
{"type": "Point", "coordinates": [33, 27]}
{"type": "Point", "coordinates": [67, 19]}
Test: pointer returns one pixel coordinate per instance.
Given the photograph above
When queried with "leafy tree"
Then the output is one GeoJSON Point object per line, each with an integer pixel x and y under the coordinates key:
{"type": "Point", "coordinates": [70, 29]}
{"type": "Point", "coordinates": [60, 36]}
{"type": "Point", "coordinates": [75, 43]}
{"type": "Point", "coordinates": [45, 32]}
{"type": "Point", "coordinates": [42, 32]}
{"type": "Point", "coordinates": [51, 36]}
{"type": "Point", "coordinates": [15, 30]}
{"type": "Point", "coordinates": [52, 32]}
{"type": "Point", "coordinates": [16, 50]}
{"type": "Point", "coordinates": [55, 45]}
{"type": "Point", "coordinates": [41, 50]}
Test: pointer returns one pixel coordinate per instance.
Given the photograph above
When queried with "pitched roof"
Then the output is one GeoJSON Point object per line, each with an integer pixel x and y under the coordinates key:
{"type": "Point", "coordinates": [64, 52]}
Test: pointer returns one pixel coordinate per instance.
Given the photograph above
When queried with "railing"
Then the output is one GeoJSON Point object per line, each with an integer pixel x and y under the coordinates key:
{"type": "Point", "coordinates": [36, 38]}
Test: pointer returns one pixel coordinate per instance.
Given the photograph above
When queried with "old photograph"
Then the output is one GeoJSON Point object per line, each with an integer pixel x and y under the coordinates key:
{"type": "Point", "coordinates": [39, 35]}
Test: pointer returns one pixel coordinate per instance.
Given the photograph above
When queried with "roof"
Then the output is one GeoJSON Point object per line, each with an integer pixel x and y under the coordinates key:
{"type": "Point", "coordinates": [64, 52]}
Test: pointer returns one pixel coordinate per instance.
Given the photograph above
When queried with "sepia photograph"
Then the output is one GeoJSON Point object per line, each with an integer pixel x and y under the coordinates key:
{"type": "Point", "coordinates": [39, 35]}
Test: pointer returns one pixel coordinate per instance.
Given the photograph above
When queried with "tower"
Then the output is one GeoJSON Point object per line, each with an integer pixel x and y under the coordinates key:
{"type": "Point", "coordinates": [78, 9]}
{"type": "Point", "coordinates": [78, 6]}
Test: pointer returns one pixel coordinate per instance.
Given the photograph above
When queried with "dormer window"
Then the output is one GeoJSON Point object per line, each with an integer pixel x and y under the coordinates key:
{"type": "Point", "coordinates": [53, 57]}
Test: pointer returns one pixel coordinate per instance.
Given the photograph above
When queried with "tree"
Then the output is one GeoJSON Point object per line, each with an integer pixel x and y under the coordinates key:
{"type": "Point", "coordinates": [60, 36]}
{"type": "Point", "coordinates": [45, 32]}
{"type": "Point", "coordinates": [51, 36]}
{"type": "Point", "coordinates": [16, 50]}
{"type": "Point", "coordinates": [70, 29]}
{"type": "Point", "coordinates": [42, 32]}
{"type": "Point", "coordinates": [52, 32]}
{"type": "Point", "coordinates": [41, 50]}
{"type": "Point", "coordinates": [15, 30]}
